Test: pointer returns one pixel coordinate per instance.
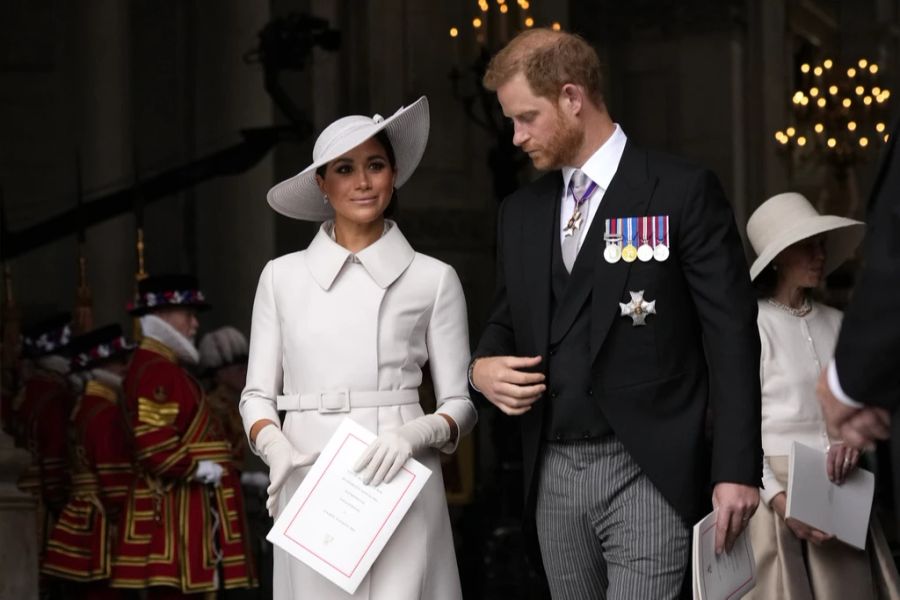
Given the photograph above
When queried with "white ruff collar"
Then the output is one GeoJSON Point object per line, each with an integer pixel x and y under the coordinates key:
{"type": "Point", "coordinates": [108, 378]}
{"type": "Point", "coordinates": [154, 327]}
{"type": "Point", "coordinates": [54, 362]}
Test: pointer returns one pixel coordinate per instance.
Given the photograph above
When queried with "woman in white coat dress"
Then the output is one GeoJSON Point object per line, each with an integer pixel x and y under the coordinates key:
{"type": "Point", "coordinates": [343, 329]}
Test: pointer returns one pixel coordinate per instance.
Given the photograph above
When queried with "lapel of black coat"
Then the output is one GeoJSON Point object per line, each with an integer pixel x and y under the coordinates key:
{"type": "Point", "coordinates": [628, 195]}
{"type": "Point", "coordinates": [537, 235]}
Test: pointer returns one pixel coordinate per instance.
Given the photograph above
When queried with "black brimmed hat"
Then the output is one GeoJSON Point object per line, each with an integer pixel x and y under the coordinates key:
{"type": "Point", "coordinates": [162, 291]}
{"type": "Point", "coordinates": [96, 346]}
{"type": "Point", "coordinates": [48, 336]}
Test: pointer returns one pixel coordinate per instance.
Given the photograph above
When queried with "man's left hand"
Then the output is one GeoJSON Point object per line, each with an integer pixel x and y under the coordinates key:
{"type": "Point", "coordinates": [735, 504]}
{"type": "Point", "coordinates": [836, 412]}
{"type": "Point", "coordinates": [857, 427]}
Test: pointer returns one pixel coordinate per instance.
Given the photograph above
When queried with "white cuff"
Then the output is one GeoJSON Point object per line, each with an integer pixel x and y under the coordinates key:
{"type": "Point", "coordinates": [834, 385]}
{"type": "Point", "coordinates": [469, 373]}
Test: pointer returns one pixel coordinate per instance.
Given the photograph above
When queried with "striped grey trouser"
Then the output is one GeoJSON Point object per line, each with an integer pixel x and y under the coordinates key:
{"type": "Point", "coordinates": [605, 531]}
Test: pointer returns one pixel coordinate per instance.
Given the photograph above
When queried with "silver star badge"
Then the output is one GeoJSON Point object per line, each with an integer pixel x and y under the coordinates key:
{"type": "Point", "coordinates": [638, 308]}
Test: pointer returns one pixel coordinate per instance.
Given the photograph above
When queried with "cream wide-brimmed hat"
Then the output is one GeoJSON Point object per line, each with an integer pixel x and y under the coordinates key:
{"type": "Point", "coordinates": [788, 218]}
{"type": "Point", "coordinates": [300, 197]}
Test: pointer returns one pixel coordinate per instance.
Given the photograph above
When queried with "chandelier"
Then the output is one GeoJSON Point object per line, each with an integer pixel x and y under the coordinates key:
{"type": "Point", "coordinates": [838, 114]}
{"type": "Point", "coordinates": [503, 18]}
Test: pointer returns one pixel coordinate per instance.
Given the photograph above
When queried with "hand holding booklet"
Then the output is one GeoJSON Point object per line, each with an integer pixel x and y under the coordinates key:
{"type": "Point", "coordinates": [840, 510]}
{"type": "Point", "coordinates": [726, 576]}
{"type": "Point", "coordinates": [336, 524]}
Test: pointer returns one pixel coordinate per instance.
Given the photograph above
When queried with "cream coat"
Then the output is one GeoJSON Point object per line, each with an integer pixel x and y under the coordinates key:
{"type": "Point", "coordinates": [325, 320]}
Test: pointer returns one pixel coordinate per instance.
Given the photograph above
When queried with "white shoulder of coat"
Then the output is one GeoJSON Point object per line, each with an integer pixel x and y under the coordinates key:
{"type": "Point", "coordinates": [430, 267]}
{"type": "Point", "coordinates": [289, 261]}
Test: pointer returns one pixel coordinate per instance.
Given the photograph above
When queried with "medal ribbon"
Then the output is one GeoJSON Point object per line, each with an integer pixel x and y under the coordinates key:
{"type": "Point", "coordinates": [663, 230]}
{"type": "Point", "coordinates": [587, 194]}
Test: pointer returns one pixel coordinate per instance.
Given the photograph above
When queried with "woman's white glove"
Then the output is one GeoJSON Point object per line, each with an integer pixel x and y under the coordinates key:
{"type": "Point", "coordinates": [209, 472]}
{"type": "Point", "coordinates": [385, 456]}
{"type": "Point", "coordinates": [282, 458]}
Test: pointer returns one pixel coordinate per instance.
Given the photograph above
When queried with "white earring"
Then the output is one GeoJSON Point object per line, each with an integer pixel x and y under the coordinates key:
{"type": "Point", "coordinates": [325, 198]}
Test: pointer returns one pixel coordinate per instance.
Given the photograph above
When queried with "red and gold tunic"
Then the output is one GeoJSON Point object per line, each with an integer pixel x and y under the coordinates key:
{"type": "Point", "coordinates": [40, 425]}
{"type": "Point", "coordinates": [223, 403]}
{"type": "Point", "coordinates": [79, 546]}
{"type": "Point", "coordinates": [175, 530]}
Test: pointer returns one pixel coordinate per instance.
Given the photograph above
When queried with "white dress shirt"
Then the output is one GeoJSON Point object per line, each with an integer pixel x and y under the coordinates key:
{"type": "Point", "coordinates": [600, 167]}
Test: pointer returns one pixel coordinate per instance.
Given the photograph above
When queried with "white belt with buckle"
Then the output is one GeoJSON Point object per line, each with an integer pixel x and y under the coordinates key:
{"type": "Point", "coordinates": [338, 401]}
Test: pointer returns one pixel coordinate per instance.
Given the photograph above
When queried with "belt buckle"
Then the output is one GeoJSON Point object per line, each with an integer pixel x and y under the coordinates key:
{"type": "Point", "coordinates": [336, 401]}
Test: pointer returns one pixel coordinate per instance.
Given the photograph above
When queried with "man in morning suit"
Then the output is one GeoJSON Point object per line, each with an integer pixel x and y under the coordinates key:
{"type": "Point", "coordinates": [623, 308]}
{"type": "Point", "coordinates": [861, 386]}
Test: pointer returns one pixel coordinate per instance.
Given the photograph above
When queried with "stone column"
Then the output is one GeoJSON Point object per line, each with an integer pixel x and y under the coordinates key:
{"type": "Point", "coordinates": [235, 226]}
{"type": "Point", "coordinates": [19, 550]}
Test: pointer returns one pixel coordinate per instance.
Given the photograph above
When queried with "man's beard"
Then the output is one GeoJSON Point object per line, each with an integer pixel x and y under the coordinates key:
{"type": "Point", "coordinates": [562, 148]}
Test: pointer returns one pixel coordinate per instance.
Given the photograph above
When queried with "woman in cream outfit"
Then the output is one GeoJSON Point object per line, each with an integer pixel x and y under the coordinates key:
{"type": "Point", "coordinates": [343, 329]}
{"type": "Point", "coordinates": [796, 248]}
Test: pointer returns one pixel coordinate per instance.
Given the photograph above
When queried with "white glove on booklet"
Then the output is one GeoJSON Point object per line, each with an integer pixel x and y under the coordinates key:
{"type": "Point", "coordinates": [384, 457]}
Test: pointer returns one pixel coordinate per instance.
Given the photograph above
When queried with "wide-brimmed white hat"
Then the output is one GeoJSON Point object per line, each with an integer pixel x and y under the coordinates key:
{"type": "Point", "coordinates": [300, 197]}
{"type": "Point", "coordinates": [788, 218]}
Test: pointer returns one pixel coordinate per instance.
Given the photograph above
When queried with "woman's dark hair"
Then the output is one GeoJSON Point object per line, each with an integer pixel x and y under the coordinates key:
{"type": "Point", "coordinates": [765, 282]}
{"type": "Point", "coordinates": [382, 138]}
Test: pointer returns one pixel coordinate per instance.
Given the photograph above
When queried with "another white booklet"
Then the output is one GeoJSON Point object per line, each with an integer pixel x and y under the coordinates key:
{"type": "Point", "coordinates": [842, 510]}
{"type": "Point", "coordinates": [726, 576]}
{"type": "Point", "coordinates": [335, 523]}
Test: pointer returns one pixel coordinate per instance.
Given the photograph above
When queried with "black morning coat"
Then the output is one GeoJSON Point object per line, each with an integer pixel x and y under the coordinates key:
{"type": "Point", "coordinates": [654, 383]}
{"type": "Point", "coordinates": [868, 348]}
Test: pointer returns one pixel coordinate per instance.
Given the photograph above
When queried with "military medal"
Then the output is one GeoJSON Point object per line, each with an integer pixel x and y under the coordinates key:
{"type": "Point", "coordinates": [661, 250]}
{"type": "Point", "coordinates": [613, 252]}
{"type": "Point", "coordinates": [645, 251]}
{"type": "Point", "coordinates": [638, 308]}
{"type": "Point", "coordinates": [577, 218]}
{"type": "Point", "coordinates": [629, 252]}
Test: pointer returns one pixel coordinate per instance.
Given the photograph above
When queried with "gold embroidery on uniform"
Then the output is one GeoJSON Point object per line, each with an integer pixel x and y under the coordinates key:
{"type": "Point", "coordinates": [95, 388]}
{"type": "Point", "coordinates": [158, 348]}
{"type": "Point", "coordinates": [156, 413]}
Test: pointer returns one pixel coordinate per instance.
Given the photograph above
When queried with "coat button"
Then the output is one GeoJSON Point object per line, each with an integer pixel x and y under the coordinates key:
{"type": "Point", "coordinates": [553, 352]}
{"type": "Point", "coordinates": [558, 437]}
{"type": "Point", "coordinates": [587, 435]}
{"type": "Point", "coordinates": [590, 392]}
{"type": "Point", "coordinates": [553, 393]}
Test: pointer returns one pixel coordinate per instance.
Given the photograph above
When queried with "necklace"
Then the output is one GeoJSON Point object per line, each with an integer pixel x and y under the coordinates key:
{"type": "Point", "coordinates": [802, 311]}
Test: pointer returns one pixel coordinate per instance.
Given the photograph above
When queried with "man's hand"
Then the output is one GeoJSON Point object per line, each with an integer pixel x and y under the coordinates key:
{"type": "Point", "coordinates": [858, 427]}
{"type": "Point", "coordinates": [840, 461]}
{"type": "Point", "coordinates": [735, 504]}
{"type": "Point", "coordinates": [505, 381]}
{"type": "Point", "coordinates": [866, 426]}
{"type": "Point", "coordinates": [800, 530]}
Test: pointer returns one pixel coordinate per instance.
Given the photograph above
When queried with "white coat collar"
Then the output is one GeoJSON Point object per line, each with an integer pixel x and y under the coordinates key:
{"type": "Point", "coordinates": [384, 261]}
